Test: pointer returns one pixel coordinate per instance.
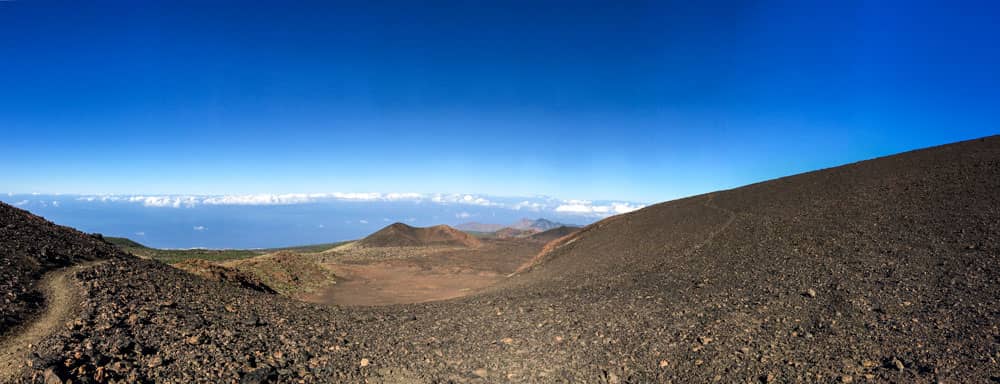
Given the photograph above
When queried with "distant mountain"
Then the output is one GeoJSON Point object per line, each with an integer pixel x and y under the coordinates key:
{"type": "Point", "coordinates": [402, 235]}
{"type": "Point", "coordinates": [538, 225]}
{"type": "Point", "coordinates": [523, 228]}
{"type": "Point", "coordinates": [479, 227]}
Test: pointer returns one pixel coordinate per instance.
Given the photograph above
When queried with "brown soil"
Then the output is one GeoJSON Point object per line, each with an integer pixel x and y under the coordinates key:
{"type": "Point", "coordinates": [292, 274]}
{"type": "Point", "coordinates": [399, 275]}
{"type": "Point", "coordinates": [385, 283]}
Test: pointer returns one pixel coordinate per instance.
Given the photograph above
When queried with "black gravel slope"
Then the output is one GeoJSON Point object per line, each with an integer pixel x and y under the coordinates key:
{"type": "Point", "coordinates": [29, 247]}
{"type": "Point", "coordinates": [880, 271]}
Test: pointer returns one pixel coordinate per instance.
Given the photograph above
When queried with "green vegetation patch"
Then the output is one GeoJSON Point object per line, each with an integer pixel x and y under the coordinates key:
{"type": "Point", "coordinates": [171, 256]}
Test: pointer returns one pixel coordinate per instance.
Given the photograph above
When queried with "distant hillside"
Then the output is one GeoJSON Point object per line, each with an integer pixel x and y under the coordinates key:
{"type": "Point", "coordinates": [173, 256]}
{"type": "Point", "coordinates": [509, 232]}
{"type": "Point", "coordinates": [402, 235]}
{"type": "Point", "coordinates": [522, 228]}
{"type": "Point", "coordinates": [538, 225]}
{"type": "Point", "coordinates": [479, 227]}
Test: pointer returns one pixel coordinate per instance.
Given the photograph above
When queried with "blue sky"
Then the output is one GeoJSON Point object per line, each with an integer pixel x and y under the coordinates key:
{"type": "Point", "coordinates": [580, 100]}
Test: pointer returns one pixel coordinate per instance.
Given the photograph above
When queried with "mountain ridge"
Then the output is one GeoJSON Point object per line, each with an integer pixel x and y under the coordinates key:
{"type": "Point", "coordinates": [403, 235]}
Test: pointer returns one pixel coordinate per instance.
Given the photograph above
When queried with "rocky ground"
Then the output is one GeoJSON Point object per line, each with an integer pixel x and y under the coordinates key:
{"type": "Point", "coordinates": [220, 273]}
{"type": "Point", "coordinates": [31, 246]}
{"type": "Point", "coordinates": [880, 271]}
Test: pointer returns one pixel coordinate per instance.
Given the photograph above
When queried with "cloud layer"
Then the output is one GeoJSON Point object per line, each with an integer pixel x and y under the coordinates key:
{"type": "Point", "coordinates": [588, 207]}
{"type": "Point", "coordinates": [529, 204]}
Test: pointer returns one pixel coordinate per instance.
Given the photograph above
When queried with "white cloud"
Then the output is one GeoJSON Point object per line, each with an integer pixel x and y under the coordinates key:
{"type": "Point", "coordinates": [178, 201]}
{"type": "Point", "coordinates": [261, 199]}
{"type": "Point", "coordinates": [321, 226]}
{"type": "Point", "coordinates": [156, 201]}
{"type": "Point", "coordinates": [106, 198]}
{"type": "Point", "coordinates": [363, 221]}
{"type": "Point", "coordinates": [589, 208]}
{"type": "Point", "coordinates": [469, 199]}
{"type": "Point", "coordinates": [529, 203]}
{"type": "Point", "coordinates": [199, 228]}
{"type": "Point", "coordinates": [366, 196]}
{"type": "Point", "coordinates": [463, 215]}
{"type": "Point", "coordinates": [140, 233]}
{"type": "Point", "coordinates": [403, 196]}
{"type": "Point", "coordinates": [462, 199]}
{"type": "Point", "coordinates": [22, 202]}
{"type": "Point", "coordinates": [626, 207]}
{"type": "Point", "coordinates": [574, 208]}
{"type": "Point", "coordinates": [55, 203]}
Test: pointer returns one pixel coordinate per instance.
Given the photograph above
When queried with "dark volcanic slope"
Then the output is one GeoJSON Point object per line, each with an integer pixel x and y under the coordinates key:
{"type": "Point", "coordinates": [402, 235]}
{"type": "Point", "coordinates": [554, 233]}
{"type": "Point", "coordinates": [885, 270]}
{"type": "Point", "coordinates": [24, 259]}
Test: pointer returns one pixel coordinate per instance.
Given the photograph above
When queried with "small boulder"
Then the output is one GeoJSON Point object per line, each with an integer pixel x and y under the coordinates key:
{"type": "Point", "coordinates": [898, 364]}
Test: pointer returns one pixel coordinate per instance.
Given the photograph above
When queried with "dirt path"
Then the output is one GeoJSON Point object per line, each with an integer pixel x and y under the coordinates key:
{"type": "Point", "coordinates": [711, 236]}
{"type": "Point", "coordinates": [61, 305]}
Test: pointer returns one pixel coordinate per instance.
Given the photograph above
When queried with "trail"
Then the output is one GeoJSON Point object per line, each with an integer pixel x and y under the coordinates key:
{"type": "Point", "coordinates": [61, 304]}
{"type": "Point", "coordinates": [690, 251]}
{"type": "Point", "coordinates": [711, 236]}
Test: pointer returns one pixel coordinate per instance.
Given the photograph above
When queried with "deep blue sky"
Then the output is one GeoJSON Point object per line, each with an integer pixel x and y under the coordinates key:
{"type": "Point", "coordinates": [613, 100]}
